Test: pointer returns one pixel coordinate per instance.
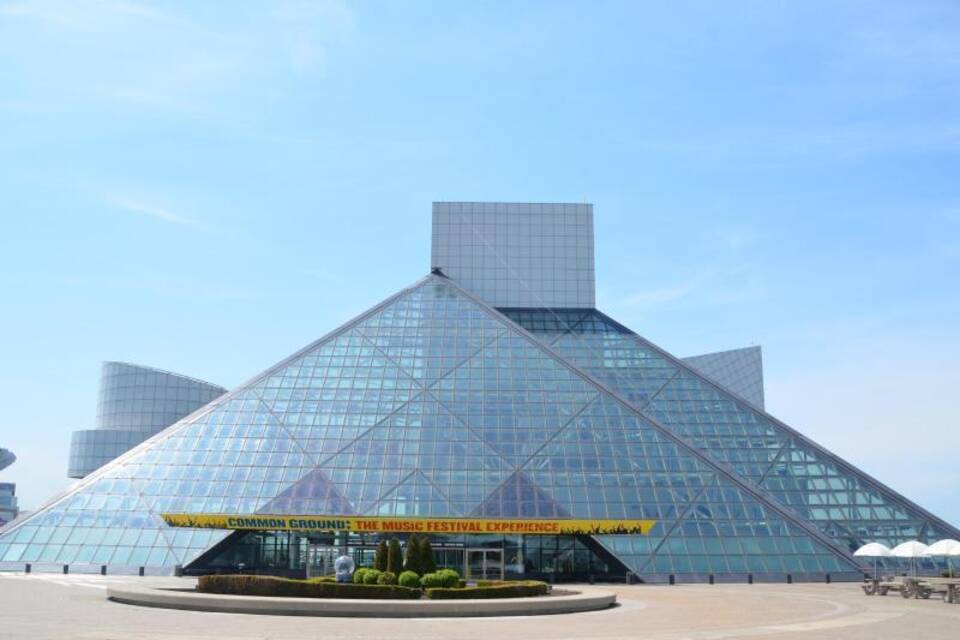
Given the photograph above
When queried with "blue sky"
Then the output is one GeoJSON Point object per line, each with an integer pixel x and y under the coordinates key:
{"type": "Point", "coordinates": [206, 190]}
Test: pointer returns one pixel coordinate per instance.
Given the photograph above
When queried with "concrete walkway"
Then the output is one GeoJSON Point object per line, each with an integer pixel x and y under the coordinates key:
{"type": "Point", "coordinates": [55, 606]}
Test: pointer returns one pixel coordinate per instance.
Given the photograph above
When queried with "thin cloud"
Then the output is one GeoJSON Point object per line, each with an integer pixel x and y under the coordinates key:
{"type": "Point", "coordinates": [903, 36]}
{"type": "Point", "coordinates": [736, 238]}
{"type": "Point", "coordinates": [78, 14]}
{"type": "Point", "coordinates": [152, 211]}
{"type": "Point", "coordinates": [787, 144]}
{"type": "Point", "coordinates": [709, 286]}
{"type": "Point", "coordinates": [127, 54]}
{"type": "Point", "coordinates": [656, 297]}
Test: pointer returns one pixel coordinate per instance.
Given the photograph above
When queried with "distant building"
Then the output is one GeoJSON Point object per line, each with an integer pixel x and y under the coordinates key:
{"type": "Point", "coordinates": [739, 370]}
{"type": "Point", "coordinates": [6, 458]}
{"type": "Point", "coordinates": [8, 502]}
{"type": "Point", "coordinates": [8, 491]}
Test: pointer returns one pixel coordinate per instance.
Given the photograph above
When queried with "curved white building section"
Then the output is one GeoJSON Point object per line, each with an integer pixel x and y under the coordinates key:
{"type": "Point", "coordinates": [135, 403]}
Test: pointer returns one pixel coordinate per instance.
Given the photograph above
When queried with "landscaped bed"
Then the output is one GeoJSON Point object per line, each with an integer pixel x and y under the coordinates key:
{"type": "Point", "coordinates": [324, 598]}
{"type": "Point", "coordinates": [315, 588]}
{"type": "Point", "coordinates": [393, 577]}
{"type": "Point", "coordinates": [516, 589]}
{"type": "Point", "coordinates": [328, 588]}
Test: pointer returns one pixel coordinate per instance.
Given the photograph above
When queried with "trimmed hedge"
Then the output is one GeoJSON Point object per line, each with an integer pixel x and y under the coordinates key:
{"type": "Point", "coordinates": [518, 589]}
{"type": "Point", "coordinates": [387, 578]}
{"type": "Point", "coordinates": [409, 579]}
{"type": "Point", "coordinates": [372, 576]}
{"type": "Point", "coordinates": [411, 556]}
{"type": "Point", "coordinates": [427, 563]}
{"type": "Point", "coordinates": [394, 557]}
{"type": "Point", "coordinates": [445, 578]}
{"type": "Point", "coordinates": [380, 557]}
{"type": "Point", "coordinates": [282, 587]}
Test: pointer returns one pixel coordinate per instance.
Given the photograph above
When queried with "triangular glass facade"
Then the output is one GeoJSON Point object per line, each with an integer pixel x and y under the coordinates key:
{"type": "Point", "coordinates": [434, 404]}
{"type": "Point", "coordinates": [520, 497]}
{"type": "Point", "coordinates": [841, 501]}
{"type": "Point", "coordinates": [313, 493]}
{"type": "Point", "coordinates": [415, 496]}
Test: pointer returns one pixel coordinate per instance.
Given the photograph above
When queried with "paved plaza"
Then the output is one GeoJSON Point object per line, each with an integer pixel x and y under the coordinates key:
{"type": "Point", "coordinates": [57, 606]}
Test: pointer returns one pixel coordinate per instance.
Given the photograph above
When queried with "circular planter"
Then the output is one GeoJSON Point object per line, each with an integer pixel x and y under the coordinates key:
{"type": "Point", "coordinates": [569, 602]}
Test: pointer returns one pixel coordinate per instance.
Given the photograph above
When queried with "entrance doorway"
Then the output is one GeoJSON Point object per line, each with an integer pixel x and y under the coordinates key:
{"type": "Point", "coordinates": [363, 556]}
{"type": "Point", "coordinates": [320, 559]}
{"type": "Point", "coordinates": [483, 564]}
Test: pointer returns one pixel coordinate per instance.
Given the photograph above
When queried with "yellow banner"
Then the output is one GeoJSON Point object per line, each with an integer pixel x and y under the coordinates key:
{"type": "Point", "coordinates": [376, 524]}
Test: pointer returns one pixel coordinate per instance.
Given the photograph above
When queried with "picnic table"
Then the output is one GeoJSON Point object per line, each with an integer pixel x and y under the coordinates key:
{"type": "Point", "coordinates": [908, 587]}
{"type": "Point", "coordinates": [914, 587]}
{"type": "Point", "coordinates": [948, 588]}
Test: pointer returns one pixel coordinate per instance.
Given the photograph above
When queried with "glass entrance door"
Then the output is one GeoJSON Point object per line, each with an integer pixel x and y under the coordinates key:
{"type": "Point", "coordinates": [363, 556]}
{"type": "Point", "coordinates": [483, 564]}
{"type": "Point", "coordinates": [320, 560]}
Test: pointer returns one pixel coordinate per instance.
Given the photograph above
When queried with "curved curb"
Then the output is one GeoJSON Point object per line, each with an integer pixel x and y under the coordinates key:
{"type": "Point", "coordinates": [193, 601]}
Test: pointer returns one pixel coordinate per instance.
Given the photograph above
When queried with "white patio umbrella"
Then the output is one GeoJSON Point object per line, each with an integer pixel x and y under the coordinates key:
{"type": "Point", "coordinates": [911, 549]}
{"type": "Point", "coordinates": [953, 553]}
{"type": "Point", "coordinates": [944, 548]}
{"type": "Point", "coordinates": [873, 550]}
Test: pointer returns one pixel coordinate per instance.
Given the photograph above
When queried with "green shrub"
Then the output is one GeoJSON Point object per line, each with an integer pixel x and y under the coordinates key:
{"type": "Point", "coordinates": [411, 555]}
{"type": "Point", "coordinates": [359, 575]}
{"type": "Point", "coordinates": [430, 580]}
{"type": "Point", "coordinates": [283, 587]}
{"type": "Point", "coordinates": [371, 576]}
{"type": "Point", "coordinates": [445, 578]}
{"type": "Point", "coordinates": [394, 556]}
{"type": "Point", "coordinates": [409, 579]}
{"type": "Point", "coordinates": [449, 578]}
{"type": "Point", "coordinates": [387, 578]}
{"type": "Point", "coordinates": [519, 589]}
{"type": "Point", "coordinates": [380, 557]}
{"type": "Point", "coordinates": [427, 564]}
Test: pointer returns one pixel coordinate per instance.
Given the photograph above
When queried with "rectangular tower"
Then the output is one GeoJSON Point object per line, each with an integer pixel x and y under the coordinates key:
{"type": "Point", "coordinates": [513, 254]}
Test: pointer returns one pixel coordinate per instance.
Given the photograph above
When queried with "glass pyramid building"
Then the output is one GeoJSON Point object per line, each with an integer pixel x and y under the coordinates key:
{"type": "Point", "coordinates": [437, 403]}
